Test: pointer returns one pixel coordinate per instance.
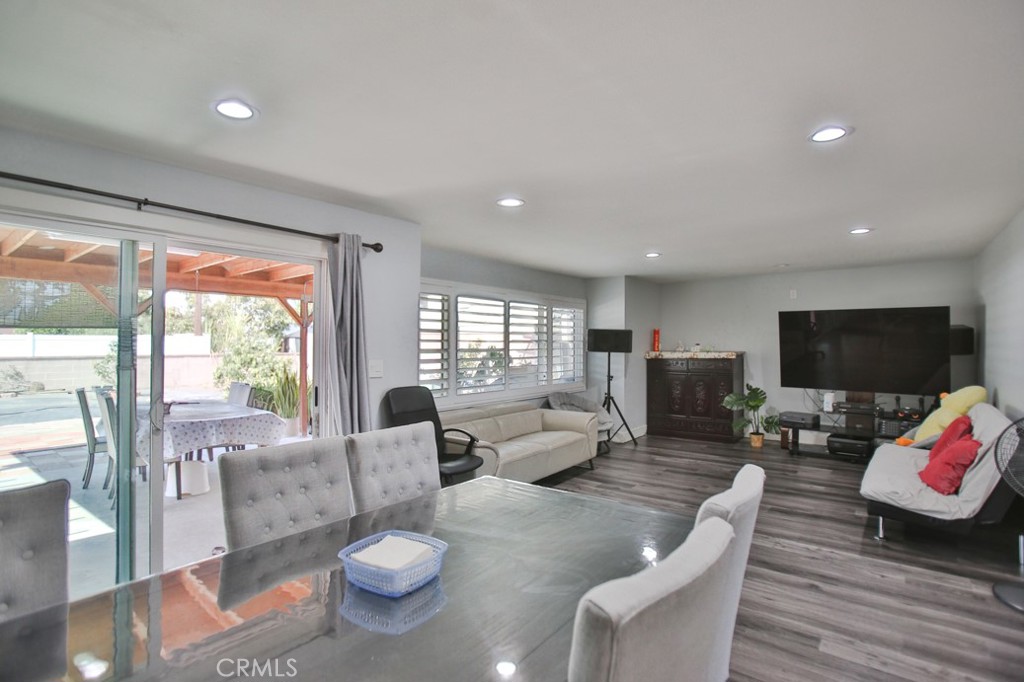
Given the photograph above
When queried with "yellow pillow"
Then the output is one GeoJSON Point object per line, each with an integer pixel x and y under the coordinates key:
{"type": "Point", "coordinates": [936, 423]}
{"type": "Point", "coordinates": [966, 398]}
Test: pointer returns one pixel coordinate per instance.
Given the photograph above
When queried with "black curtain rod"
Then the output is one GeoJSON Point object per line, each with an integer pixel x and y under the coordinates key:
{"type": "Point", "coordinates": [141, 203]}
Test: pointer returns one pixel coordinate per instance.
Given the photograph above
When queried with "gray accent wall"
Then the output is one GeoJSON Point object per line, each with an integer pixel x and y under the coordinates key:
{"type": "Point", "coordinates": [1000, 285]}
{"type": "Point", "coordinates": [741, 313]}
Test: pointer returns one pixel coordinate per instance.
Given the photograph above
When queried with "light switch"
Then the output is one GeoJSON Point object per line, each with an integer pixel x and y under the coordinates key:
{"type": "Point", "coordinates": [376, 368]}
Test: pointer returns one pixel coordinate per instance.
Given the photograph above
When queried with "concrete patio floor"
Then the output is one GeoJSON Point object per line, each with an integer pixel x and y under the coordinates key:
{"type": "Point", "coordinates": [41, 439]}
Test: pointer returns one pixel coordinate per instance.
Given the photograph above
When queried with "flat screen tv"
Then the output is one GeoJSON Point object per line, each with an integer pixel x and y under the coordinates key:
{"type": "Point", "coordinates": [877, 350]}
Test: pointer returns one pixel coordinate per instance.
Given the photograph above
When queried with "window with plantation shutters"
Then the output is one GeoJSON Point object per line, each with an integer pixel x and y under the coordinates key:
{"type": "Point", "coordinates": [435, 312]}
{"type": "Point", "coordinates": [480, 351]}
{"type": "Point", "coordinates": [527, 344]}
{"type": "Point", "coordinates": [567, 345]}
{"type": "Point", "coordinates": [478, 345]}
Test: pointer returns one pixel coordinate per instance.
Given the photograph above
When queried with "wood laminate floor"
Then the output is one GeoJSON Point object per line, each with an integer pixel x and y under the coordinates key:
{"type": "Point", "coordinates": [822, 599]}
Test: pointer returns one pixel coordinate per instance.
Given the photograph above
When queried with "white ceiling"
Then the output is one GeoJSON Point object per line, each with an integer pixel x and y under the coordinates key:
{"type": "Point", "coordinates": [674, 125]}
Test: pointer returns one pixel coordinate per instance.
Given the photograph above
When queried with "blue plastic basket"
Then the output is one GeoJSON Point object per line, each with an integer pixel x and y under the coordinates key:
{"type": "Point", "coordinates": [393, 615]}
{"type": "Point", "coordinates": [393, 583]}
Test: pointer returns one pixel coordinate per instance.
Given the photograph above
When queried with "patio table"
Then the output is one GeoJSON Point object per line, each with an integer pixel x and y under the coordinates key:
{"type": "Point", "coordinates": [192, 426]}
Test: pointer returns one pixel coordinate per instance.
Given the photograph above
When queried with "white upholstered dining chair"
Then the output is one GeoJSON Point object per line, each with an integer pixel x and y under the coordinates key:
{"type": "Point", "coordinates": [392, 465]}
{"type": "Point", "coordinates": [738, 505]}
{"type": "Point", "coordinates": [275, 491]}
{"type": "Point", "coordinates": [652, 625]}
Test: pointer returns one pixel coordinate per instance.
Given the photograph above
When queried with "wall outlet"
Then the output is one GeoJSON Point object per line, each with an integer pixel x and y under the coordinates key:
{"type": "Point", "coordinates": [375, 369]}
{"type": "Point", "coordinates": [828, 402]}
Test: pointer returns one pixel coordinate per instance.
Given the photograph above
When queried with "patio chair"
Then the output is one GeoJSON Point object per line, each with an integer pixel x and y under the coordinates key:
{"type": "Point", "coordinates": [93, 442]}
{"type": "Point", "coordinates": [240, 393]}
{"type": "Point", "coordinates": [653, 625]}
{"type": "Point", "coordinates": [108, 415]}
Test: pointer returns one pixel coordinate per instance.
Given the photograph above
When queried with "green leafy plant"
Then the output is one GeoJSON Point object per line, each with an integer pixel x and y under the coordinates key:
{"type": "Point", "coordinates": [751, 403]}
{"type": "Point", "coordinates": [285, 393]}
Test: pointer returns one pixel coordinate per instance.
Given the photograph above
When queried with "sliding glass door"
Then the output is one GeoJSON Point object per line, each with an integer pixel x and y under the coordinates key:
{"type": "Point", "coordinates": [79, 306]}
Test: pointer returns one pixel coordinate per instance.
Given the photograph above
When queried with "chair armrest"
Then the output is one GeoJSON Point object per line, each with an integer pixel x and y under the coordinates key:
{"type": "Point", "coordinates": [469, 441]}
{"type": "Point", "coordinates": [470, 444]}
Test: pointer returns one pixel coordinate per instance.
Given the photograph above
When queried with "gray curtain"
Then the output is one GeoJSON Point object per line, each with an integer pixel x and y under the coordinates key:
{"type": "Point", "coordinates": [352, 408]}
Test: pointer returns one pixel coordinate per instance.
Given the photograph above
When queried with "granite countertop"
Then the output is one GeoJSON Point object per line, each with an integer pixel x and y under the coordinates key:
{"type": "Point", "coordinates": [693, 355]}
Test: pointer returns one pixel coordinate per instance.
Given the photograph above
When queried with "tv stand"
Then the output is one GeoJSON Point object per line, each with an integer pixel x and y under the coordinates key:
{"type": "Point", "coordinates": [852, 434]}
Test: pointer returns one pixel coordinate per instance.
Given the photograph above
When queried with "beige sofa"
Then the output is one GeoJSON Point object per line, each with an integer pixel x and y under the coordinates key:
{"type": "Point", "coordinates": [522, 442]}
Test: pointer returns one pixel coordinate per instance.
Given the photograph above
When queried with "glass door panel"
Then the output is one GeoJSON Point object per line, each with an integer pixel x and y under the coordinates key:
{"type": "Point", "coordinates": [65, 335]}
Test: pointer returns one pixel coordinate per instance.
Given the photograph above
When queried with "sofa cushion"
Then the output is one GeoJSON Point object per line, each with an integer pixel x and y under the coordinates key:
{"type": "Point", "coordinates": [485, 429]}
{"type": "Point", "coordinates": [945, 471]}
{"type": "Point", "coordinates": [960, 427]}
{"type": "Point", "coordinates": [519, 423]}
{"type": "Point", "coordinates": [891, 477]}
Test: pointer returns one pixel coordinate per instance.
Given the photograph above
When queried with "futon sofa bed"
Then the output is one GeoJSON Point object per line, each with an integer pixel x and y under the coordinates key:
{"type": "Point", "coordinates": [894, 489]}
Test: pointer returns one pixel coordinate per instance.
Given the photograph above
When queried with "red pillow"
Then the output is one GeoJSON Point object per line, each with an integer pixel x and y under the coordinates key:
{"type": "Point", "coordinates": [956, 430]}
{"type": "Point", "coordinates": [945, 472]}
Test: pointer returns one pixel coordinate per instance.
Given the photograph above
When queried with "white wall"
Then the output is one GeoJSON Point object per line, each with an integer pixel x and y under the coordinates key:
{"type": "Point", "coordinates": [643, 316]}
{"type": "Point", "coordinates": [741, 313]}
{"type": "Point", "coordinates": [1000, 283]}
{"type": "Point", "coordinates": [606, 309]}
{"type": "Point", "coordinates": [391, 278]}
{"type": "Point", "coordinates": [461, 267]}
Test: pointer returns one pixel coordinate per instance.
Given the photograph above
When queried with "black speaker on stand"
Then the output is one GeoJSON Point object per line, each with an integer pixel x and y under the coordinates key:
{"type": "Point", "coordinates": [612, 341]}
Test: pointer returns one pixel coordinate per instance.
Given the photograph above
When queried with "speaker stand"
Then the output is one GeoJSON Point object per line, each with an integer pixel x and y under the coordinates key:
{"type": "Point", "coordinates": [609, 403]}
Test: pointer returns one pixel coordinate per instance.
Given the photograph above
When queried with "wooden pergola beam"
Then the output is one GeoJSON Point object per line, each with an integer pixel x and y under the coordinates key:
{"type": "Point", "coordinates": [101, 297]}
{"type": "Point", "coordinates": [284, 272]}
{"type": "Point", "coordinates": [73, 253]}
{"type": "Point", "coordinates": [246, 266]}
{"type": "Point", "coordinates": [204, 260]}
{"type": "Point", "coordinates": [12, 267]}
{"type": "Point", "coordinates": [15, 240]}
{"type": "Point", "coordinates": [290, 310]}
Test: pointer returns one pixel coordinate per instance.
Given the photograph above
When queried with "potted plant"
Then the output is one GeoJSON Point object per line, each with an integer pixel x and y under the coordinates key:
{"type": "Point", "coordinates": [285, 399]}
{"type": "Point", "coordinates": [751, 403]}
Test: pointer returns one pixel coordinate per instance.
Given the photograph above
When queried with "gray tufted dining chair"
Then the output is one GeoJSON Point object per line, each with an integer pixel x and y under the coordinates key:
{"type": "Point", "coordinates": [652, 625]}
{"type": "Point", "coordinates": [738, 505]}
{"type": "Point", "coordinates": [272, 492]}
{"type": "Point", "coordinates": [33, 548]}
{"type": "Point", "coordinates": [392, 465]}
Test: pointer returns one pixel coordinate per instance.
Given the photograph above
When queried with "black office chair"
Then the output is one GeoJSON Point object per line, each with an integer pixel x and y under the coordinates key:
{"type": "Point", "coordinates": [414, 404]}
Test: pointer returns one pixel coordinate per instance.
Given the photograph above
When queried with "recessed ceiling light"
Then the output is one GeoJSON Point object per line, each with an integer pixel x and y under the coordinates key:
{"type": "Point", "coordinates": [652, 254]}
{"type": "Point", "coordinates": [830, 133]}
{"type": "Point", "coordinates": [860, 230]}
{"type": "Point", "coordinates": [510, 202]}
{"type": "Point", "coordinates": [234, 108]}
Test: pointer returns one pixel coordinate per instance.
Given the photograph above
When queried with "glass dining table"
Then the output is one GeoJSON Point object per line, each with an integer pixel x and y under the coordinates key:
{"type": "Point", "coordinates": [520, 556]}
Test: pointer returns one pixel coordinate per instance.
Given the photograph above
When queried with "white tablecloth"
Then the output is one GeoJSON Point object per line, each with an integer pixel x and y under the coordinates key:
{"type": "Point", "coordinates": [192, 426]}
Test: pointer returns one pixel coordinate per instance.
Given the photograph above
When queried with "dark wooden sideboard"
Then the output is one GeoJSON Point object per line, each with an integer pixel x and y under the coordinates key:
{"type": "Point", "coordinates": [685, 391]}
